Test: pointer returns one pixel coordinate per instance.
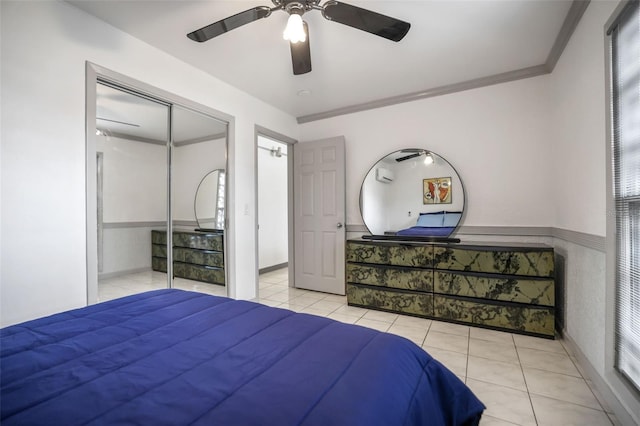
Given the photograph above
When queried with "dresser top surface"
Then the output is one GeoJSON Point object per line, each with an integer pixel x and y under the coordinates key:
{"type": "Point", "coordinates": [479, 245]}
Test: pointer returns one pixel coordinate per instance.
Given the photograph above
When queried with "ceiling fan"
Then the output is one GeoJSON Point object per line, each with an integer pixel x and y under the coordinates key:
{"type": "Point", "coordinates": [428, 159]}
{"type": "Point", "coordinates": [297, 31]}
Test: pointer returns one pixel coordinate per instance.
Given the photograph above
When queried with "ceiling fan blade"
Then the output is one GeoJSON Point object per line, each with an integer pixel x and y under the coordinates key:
{"type": "Point", "coordinates": [366, 20]}
{"type": "Point", "coordinates": [230, 23]}
{"type": "Point", "coordinates": [409, 157]}
{"type": "Point", "coordinates": [301, 54]}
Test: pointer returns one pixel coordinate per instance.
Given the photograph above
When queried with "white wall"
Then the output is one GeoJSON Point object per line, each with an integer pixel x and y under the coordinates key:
{"type": "Point", "coordinates": [190, 163]}
{"type": "Point", "coordinates": [579, 162]}
{"type": "Point", "coordinates": [134, 176]}
{"type": "Point", "coordinates": [374, 205]}
{"type": "Point", "coordinates": [497, 138]}
{"type": "Point", "coordinates": [126, 250]}
{"type": "Point", "coordinates": [579, 154]}
{"type": "Point", "coordinates": [273, 235]}
{"type": "Point", "coordinates": [43, 149]}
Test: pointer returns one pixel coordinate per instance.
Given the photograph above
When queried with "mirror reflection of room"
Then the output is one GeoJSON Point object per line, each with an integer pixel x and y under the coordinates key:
{"type": "Point", "coordinates": [209, 203]}
{"type": "Point", "coordinates": [132, 135]}
{"type": "Point", "coordinates": [412, 192]}
{"type": "Point", "coordinates": [131, 142]}
{"type": "Point", "coordinates": [198, 164]}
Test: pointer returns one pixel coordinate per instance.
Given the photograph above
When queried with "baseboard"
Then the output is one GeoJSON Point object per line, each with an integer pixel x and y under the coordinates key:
{"type": "Point", "coordinates": [614, 405]}
{"type": "Point", "coordinates": [106, 276]}
{"type": "Point", "coordinates": [273, 267]}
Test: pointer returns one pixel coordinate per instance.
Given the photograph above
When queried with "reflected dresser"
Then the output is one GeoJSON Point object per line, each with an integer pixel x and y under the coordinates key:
{"type": "Point", "coordinates": [197, 256]}
{"type": "Point", "coordinates": [500, 286]}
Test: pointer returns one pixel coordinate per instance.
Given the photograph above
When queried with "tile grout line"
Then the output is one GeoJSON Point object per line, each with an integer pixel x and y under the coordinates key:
{"type": "Point", "coordinates": [586, 383]}
{"type": "Point", "coordinates": [529, 393]}
{"type": "Point", "coordinates": [526, 385]}
{"type": "Point", "coordinates": [425, 339]}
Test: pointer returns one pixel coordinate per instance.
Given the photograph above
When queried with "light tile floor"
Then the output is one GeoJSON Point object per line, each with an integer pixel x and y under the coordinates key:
{"type": "Point", "coordinates": [125, 285]}
{"type": "Point", "coordinates": [522, 380]}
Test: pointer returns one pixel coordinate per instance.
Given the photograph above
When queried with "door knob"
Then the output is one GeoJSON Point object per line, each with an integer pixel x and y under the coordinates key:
{"type": "Point", "coordinates": [339, 225]}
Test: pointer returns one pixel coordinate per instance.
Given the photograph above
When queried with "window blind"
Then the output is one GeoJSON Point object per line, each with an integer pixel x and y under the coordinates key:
{"type": "Point", "coordinates": [625, 49]}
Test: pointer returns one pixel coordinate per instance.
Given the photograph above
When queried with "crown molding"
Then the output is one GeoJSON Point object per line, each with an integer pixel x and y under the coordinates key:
{"type": "Point", "coordinates": [569, 25]}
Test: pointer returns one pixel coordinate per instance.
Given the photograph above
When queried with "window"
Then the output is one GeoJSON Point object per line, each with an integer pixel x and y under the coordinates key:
{"type": "Point", "coordinates": [625, 50]}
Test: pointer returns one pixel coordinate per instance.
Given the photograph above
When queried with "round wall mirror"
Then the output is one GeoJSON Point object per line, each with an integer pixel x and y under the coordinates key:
{"type": "Point", "coordinates": [412, 193]}
{"type": "Point", "coordinates": [209, 202]}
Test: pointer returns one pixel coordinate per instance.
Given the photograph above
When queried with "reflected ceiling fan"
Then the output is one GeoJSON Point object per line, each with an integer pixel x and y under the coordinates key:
{"type": "Point", "coordinates": [297, 31]}
{"type": "Point", "coordinates": [428, 159]}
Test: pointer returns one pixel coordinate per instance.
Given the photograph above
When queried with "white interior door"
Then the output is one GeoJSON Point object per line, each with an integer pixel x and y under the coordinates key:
{"type": "Point", "coordinates": [319, 214]}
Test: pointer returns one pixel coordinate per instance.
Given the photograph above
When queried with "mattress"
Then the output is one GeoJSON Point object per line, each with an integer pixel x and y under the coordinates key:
{"type": "Point", "coordinates": [427, 231]}
{"type": "Point", "coordinates": [173, 357]}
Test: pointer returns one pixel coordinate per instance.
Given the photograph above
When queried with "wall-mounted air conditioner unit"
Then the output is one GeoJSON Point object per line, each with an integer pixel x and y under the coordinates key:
{"type": "Point", "coordinates": [384, 175]}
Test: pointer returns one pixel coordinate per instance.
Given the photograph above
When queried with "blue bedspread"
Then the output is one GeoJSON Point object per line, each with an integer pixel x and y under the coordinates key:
{"type": "Point", "coordinates": [173, 357]}
{"type": "Point", "coordinates": [427, 231]}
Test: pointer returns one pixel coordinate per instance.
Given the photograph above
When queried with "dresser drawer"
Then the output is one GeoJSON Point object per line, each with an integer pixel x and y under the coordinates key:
{"type": "Point", "coordinates": [159, 250]}
{"type": "Point", "coordinates": [391, 254]}
{"type": "Point", "coordinates": [194, 240]}
{"type": "Point", "coordinates": [381, 276]}
{"type": "Point", "coordinates": [506, 288]}
{"type": "Point", "coordinates": [415, 303]}
{"type": "Point", "coordinates": [206, 274]}
{"type": "Point", "coordinates": [159, 264]}
{"type": "Point", "coordinates": [198, 241]}
{"type": "Point", "coordinates": [526, 319]}
{"type": "Point", "coordinates": [534, 263]}
{"type": "Point", "coordinates": [159, 237]}
{"type": "Point", "coordinates": [193, 272]}
{"type": "Point", "coordinates": [198, 257]}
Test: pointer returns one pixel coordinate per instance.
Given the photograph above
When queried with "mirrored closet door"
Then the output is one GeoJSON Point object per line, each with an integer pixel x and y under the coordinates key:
{"type": "Point", "coordinates": [198, 179]}
{"type": "Point", "coordinates": [160, 194]}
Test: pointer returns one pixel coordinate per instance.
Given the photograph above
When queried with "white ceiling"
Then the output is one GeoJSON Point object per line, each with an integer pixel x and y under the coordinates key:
{"type": "Point", "coordinates": [125, 115]}
{"type": "Point", "coordinates": [449, 42]}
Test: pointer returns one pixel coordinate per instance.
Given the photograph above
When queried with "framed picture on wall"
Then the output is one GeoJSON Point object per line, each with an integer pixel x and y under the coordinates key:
{"type": "Point", "coordinates": [436, 190]}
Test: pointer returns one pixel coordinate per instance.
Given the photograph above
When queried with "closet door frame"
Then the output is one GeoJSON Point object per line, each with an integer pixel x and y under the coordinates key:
{"type": "Point", "coordinates": [95, 74]}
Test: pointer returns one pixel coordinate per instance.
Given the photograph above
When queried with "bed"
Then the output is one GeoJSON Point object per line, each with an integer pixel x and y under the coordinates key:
{"type": "Point", "coordinates": [426, 231]}
{"type": "Point", "coordinates": [433, 224]}
{"type": "Point", "coordinates": [174, 357]}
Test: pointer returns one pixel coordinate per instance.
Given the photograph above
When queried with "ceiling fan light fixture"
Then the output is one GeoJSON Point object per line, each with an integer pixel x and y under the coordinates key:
{"type": "Point", "coordinates": [294, 32]}
{"type": "Point", "coordinates": [428, 159]}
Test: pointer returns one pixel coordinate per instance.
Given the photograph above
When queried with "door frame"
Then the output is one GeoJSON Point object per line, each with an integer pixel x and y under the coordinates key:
{"type": "Point", "coordinates": [291, 143]}
{"type": "Point", "coordinates": [95, 73]}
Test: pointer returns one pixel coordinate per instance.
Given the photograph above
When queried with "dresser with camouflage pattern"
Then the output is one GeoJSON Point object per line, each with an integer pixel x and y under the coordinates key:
{"type": "Point", "coordinates": [197, 256]}
{"type": "Point", "coordinates": [505, 287]}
